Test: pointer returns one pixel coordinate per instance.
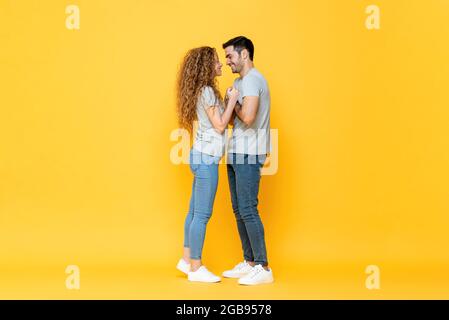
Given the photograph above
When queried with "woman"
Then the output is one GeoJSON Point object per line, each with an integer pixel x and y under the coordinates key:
{"type": "Point", "coordinates": [199, 99]}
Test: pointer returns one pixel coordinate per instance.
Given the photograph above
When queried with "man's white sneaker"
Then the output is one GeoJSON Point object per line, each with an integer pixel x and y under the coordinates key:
{"type": "Point", "coordinates": [257, 276]}
{"type": "Point", "coordinates": [240, 270]}
{"type": "Point", "coordinates": [183, 266]}
{"type": "Point", "coordinates": [203, 275]}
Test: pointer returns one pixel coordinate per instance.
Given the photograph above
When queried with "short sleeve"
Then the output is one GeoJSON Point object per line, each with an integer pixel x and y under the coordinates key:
{"type": "Point", "coordinates": [208, 98]}
{"type": "Point", "coordinates": [250, 86]}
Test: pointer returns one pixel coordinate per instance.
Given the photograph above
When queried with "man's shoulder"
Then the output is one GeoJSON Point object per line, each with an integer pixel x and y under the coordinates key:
{"type": "Point", "coordinates": [251, 77]}
{"type": "Point", "coordinates": [256, 73]}
{"type": "Point", "coordinates": [255, 76]}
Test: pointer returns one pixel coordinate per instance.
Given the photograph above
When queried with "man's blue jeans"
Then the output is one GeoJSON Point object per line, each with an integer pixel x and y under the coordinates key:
{"type": "Point", "coordinates": [205, 170]}
{"type": "Point", "coordinates": [244, 177]}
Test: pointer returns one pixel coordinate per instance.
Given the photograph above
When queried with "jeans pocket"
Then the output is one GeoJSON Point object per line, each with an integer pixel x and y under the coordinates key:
{"type": "Point", "coordinates": [194, 162]}
{"type": "Point", "coordinates": [194, 167]}
{"type": "Point", "coordinates": [261, 160]}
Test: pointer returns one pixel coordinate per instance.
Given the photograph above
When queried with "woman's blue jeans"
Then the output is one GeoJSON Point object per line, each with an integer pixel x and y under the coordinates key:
{"type": "Point", "coordinates": [205, 170]}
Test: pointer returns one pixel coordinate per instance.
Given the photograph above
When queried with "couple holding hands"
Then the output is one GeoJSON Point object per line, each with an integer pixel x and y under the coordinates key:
{"type": "Point", "coordinates": [247, 107]}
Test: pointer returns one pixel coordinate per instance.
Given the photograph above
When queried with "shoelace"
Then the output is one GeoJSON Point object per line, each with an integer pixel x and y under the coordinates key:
{"type": "Point", "coordinates": [206, 271]}
{"type": "Point", "coordinates": [241, 265]}
{"type": "Point", "coordinates": [257, 269]}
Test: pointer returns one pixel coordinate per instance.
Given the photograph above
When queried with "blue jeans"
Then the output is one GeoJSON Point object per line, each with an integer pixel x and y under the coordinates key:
{"type": "Point", "coordinates": [205, 170]}
{"type": "Point", "coordinates": [244, 177]}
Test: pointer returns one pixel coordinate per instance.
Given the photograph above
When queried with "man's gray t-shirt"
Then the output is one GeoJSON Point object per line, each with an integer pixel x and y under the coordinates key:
{"type": "Point", "coordinates": [207, 139]}
{"type": "Point", "coordinates": [254, 139]}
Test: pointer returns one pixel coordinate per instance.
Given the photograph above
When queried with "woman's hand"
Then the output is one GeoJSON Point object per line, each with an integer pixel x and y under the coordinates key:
{"type": "Point", "coordinates": [232, 94]}
{"type": "Point", "coordinates": [228, 91]}
{"type": "Point", "coordinates": [220, 121]}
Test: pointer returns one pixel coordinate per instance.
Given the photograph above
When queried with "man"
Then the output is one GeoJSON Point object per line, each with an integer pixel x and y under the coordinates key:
{"type": "Point", "coordinates": [247, 151]}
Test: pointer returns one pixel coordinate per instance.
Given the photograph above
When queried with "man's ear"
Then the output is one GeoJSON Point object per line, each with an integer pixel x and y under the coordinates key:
{"type": "Point", "coordinates": [245, 54]}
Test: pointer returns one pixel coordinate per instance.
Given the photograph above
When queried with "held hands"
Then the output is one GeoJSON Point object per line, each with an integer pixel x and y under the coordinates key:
{"type": "Point", "coordinates": [232, 94]}
{"type": "Point", "coordinates": [228, 91]}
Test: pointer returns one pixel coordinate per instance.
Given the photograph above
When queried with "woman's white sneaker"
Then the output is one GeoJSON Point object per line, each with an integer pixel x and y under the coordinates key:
{"type": "Point", "coordinates": [240, 270]}
{"type": "Point", "coordinates": [203, 275]}
{"type": "Point", "coordinates": [183, 266]}
{"type": "Point", "coordinates": [257, 276]}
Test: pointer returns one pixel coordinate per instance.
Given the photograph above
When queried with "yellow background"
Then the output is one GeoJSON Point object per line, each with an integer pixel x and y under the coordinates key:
{"type": "Point", "coordinates": [86, 178]}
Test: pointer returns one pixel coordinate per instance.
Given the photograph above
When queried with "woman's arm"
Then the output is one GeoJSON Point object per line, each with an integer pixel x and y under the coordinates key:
{"type": "Point", "coordinates": [231, 121]}
{"type": "Point", "coordinates": [221, 121]}
{"type": "Point", "coordinates": [237, 108]}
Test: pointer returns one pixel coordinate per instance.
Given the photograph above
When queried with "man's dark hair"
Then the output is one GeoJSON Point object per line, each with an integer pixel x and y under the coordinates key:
{"type": "Point", "coordinates": [241, 43]}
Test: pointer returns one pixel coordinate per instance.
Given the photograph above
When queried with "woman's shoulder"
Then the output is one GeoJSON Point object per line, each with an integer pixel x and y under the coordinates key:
{"type": "Point", "coordinates": [207, 90]}
{"type": "Point", "coordinates": [208, 95]}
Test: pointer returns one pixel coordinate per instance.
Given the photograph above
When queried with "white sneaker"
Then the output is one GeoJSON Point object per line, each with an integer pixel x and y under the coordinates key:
{"type": "Point", "coordinates": [240, 270]}
{"type": "Point", "coordinates": [203, 275]}
{"type": "Point", "coordinates": [183, 266]}
{"type": "Point", "coordinates": [257, 276]}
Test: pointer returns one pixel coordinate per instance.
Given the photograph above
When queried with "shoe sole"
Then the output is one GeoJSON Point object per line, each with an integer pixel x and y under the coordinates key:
{"type": "Point", "coordinates": [234, 276]}
{"type": "Point", "coordinates": [195, 280]}
{"type": "Point", "coordinates": [255, 284]}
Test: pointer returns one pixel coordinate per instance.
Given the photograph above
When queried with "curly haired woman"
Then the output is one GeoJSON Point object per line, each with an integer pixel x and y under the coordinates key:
{"type": "Point", "coordinates": [198, 98]}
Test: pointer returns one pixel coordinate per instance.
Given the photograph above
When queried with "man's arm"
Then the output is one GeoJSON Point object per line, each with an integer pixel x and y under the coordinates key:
{"type": "Point", "coordinates": [248, 111]}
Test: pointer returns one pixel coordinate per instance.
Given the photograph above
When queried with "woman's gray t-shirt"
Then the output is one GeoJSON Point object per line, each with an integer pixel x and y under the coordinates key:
{"type": "Point", "coordinates": [207, 139]}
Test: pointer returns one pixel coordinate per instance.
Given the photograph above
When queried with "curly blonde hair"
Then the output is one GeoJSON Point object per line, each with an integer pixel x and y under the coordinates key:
{"type": "Point", "coordinates": [197, 71]}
